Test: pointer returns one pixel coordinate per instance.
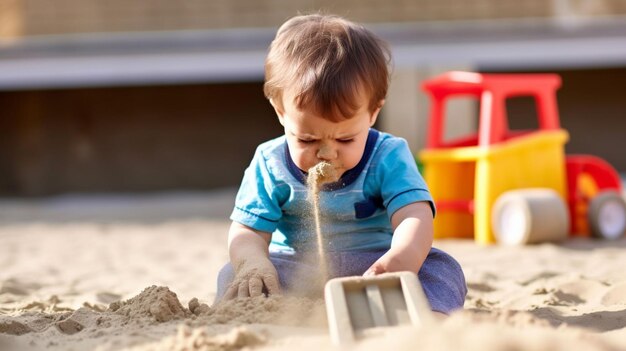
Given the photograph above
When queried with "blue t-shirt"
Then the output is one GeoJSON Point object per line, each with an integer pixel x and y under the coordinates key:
{"type": "Point", "coordinates": [355, 211]}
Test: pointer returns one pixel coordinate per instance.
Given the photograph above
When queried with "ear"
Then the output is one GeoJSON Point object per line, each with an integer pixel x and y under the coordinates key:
{"type": "Point", "coordinates": [374, 115]}
{"type": "Point", "coordinates": [279, 112]}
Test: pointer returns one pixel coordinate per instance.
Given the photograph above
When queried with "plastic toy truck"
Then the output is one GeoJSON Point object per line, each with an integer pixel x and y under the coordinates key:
{"type": "Point", "coordinates": [514, 186]}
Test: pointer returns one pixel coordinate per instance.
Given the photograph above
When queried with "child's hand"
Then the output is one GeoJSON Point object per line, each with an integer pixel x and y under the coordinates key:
{"type": "Point", "coordinates": [391, 262]}
{"type": "Point", "coordinates": [411, 242]}
{"type": "Point", "coordinates": [254, 278]}
{"type": "Point", "coordinates": [255, 274]}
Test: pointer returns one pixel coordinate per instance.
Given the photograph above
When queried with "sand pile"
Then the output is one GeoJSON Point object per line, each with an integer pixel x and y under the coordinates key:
{"type": "Point", "coordinates": [158, 305]}
{"type": "Point", "coordinates": [156, 302]}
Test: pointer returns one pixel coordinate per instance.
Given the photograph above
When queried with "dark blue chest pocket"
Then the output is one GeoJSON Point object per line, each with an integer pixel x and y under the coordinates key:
{"type": "Point", "coordinates": [367, 208]}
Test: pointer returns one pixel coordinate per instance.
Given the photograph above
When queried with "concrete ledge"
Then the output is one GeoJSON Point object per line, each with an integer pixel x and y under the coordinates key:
{"type": "Point", "coordinates": [238, 54]}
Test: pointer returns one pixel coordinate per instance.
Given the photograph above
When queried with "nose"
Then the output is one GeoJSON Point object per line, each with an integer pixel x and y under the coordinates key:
{"type": "Point", "coordinates": [326, 152]}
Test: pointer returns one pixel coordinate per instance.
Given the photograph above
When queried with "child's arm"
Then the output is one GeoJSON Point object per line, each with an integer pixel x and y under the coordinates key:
{"type": "Point", "coordinates": [411, 242]}
{"type": "Point", "coordinates": [249, 256]}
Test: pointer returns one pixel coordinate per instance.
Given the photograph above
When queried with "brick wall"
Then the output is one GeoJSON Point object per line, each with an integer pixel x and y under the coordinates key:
{"type": "Point", "coordinates": [75, 16]}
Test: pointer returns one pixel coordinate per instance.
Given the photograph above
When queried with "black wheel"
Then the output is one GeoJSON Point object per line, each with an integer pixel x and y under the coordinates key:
{"type": "Point", "coordinates": [607, 215]}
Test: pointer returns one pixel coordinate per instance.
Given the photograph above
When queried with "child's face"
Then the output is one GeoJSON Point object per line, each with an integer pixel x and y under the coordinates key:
{"type": "Point", "coordinates": [312, 139]}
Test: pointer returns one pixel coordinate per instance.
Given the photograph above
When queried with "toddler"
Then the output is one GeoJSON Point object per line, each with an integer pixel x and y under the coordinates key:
{"type": "Point", "coordinates": [327, 79]}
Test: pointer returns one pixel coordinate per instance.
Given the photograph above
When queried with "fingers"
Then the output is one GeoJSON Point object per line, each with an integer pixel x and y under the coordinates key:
{"type": "Point", "coordinates": [243, 289]}
{"type": "Point", "coordinates": [374, 270]}
{"type": "Point", "coordinates": [230, 293]}
{"type": "Point", "coordinates": [252, 286]}
{"type": "Point", "coordinates": [271, 284]}
{"type": "Point", "coordinates": [239, 288]}
{"type": "Point", "coordinates": [256, 286]}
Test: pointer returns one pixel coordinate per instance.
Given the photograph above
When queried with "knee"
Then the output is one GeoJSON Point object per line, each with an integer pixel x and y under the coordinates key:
{"type": "Point", "coordinates": [226, 273]}
{"type": "Point", "coordinates": [224, 278]}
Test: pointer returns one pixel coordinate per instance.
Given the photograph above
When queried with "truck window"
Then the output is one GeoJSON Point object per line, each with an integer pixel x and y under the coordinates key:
{"type": "Point", "coordinates": [522, 113]}
{"type": "Point", "coordinates": [461, 118]}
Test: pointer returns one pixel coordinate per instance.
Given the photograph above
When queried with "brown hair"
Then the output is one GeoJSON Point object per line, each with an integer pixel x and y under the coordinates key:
{"type": "Point", "coordinates": [327, 60]}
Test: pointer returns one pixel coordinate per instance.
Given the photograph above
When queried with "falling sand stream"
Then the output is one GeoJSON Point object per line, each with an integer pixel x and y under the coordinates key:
{"type": "Point", "coordinates": [318, 175]}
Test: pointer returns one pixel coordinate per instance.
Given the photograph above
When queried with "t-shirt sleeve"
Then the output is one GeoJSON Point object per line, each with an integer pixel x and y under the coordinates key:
{"type": "Point", "coordinates": [400, 180]}
{"type": "Point", "coordinates": [257, 204]}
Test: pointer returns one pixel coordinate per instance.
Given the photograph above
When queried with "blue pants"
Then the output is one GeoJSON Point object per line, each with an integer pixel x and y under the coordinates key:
{"type": "Point", "coordinates": [441, 275]}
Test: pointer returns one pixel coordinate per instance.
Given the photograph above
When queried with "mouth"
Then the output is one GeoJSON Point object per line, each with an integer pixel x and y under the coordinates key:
{"type": "Point", "coordinates": [321, 173]}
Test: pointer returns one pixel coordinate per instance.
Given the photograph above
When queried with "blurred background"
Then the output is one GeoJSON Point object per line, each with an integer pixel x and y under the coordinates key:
{"type": "Point", "coordinates": [157, 95]}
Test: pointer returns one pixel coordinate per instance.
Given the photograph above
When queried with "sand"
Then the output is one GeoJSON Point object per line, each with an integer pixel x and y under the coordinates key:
{"type": "Point", "coordinates": [318, 175]}
{"type": "Point", "coordinates": [138, 273]}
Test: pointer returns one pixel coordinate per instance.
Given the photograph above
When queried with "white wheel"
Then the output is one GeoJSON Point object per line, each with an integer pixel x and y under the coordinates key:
{"type": "Point", "coordinates": [529, 216]}
{"type": "Point", "coordinates": [607, 215]}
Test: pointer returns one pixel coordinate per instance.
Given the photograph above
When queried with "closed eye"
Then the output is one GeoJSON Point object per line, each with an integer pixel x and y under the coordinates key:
{"type": "Point", "coordinates": [306, 141]}
{"type": "Point", "coordinates": [345, 141]}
